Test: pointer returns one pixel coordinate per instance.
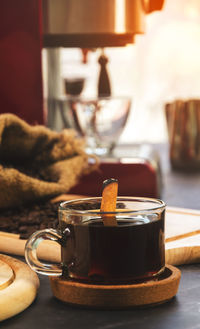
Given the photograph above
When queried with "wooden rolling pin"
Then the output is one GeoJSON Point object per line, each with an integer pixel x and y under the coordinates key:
{"type": "Point", "coordinates": [47, 250]}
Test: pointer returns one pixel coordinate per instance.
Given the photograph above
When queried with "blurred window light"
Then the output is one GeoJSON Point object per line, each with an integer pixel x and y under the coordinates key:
{"type": "Point", "coordinates": [162, 65]}
{"type": "Point", "coordinates": [192, 10]}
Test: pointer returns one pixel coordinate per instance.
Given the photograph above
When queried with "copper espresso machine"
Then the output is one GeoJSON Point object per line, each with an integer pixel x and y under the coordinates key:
{"type": "Point", "coordinates": [92, 24]}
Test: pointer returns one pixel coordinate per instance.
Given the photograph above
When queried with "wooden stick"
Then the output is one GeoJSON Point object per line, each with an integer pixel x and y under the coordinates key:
{"type": "Point", "coordinates": [108, 202]}
{"type": "Point", "coordinates": [10, 235]}
{"type": "Point", "coordinates": [47, 250]}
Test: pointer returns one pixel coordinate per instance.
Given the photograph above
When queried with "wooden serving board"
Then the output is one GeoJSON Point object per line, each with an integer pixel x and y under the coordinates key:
{"type": "Point", "coordinates": [7, 275]}
{"type": "Point", "coordinates": [18, 286]}
{"type": "Point", "coordinates": [181, 222]}
{"type": "Point", "coordinates": [182, 232]}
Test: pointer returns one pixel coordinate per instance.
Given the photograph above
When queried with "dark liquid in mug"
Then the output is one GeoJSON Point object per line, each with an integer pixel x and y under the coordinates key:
{"type": "Point", "coordinates": [129, 252]}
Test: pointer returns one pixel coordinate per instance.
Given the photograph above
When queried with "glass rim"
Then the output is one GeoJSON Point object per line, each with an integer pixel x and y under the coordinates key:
{"type": "Point", "coordinates": [158, 205]}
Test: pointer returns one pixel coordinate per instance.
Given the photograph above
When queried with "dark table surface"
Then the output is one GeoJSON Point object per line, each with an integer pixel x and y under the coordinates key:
{"type": "Point", "coordinates": [183, 311]}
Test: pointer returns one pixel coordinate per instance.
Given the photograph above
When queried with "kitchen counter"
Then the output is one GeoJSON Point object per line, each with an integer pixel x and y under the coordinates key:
{"type": "Point", "coordinates": [183, 311]}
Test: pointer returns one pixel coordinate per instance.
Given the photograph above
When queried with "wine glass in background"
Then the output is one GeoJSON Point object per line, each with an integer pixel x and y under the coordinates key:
{"type": "Point", "coordinates": [100, 121]}
{"type": "Point", "coordinates": [73, 88]}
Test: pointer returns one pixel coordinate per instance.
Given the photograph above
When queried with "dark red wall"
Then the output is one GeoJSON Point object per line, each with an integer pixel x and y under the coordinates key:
{"type": "Point", "coordinates": [20, 59]}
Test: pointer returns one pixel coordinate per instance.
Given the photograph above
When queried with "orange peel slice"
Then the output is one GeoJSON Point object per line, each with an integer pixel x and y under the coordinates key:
{"type": "Point", "coordinates": [108, 202]}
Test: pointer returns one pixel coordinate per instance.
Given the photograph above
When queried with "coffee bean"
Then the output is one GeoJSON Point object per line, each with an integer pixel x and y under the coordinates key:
{"type": "Point", "coordinates": [42, 226]}
{"type": "Point", "coordinates": [26, 220]}
{"type": "Point", "coordinates": [23, 229]}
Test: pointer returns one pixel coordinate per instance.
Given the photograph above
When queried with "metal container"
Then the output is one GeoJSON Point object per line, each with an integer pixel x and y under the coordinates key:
{"type": "Point", "coordinates": [92, 23]}
{"type": "Point", "coordinates": [87, 24]}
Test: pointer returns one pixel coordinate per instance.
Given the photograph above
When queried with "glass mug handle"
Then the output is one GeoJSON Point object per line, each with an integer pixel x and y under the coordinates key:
{"type": "Point", "coordinates": [31, 252]}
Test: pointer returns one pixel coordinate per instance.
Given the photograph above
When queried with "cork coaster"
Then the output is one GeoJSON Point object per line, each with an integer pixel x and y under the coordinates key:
{"type": "Point", "coordinates": [118, 296]}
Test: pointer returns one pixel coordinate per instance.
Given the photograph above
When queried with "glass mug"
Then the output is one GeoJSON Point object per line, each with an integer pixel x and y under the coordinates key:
{"type": "Point", "coordinates": [131, 251]}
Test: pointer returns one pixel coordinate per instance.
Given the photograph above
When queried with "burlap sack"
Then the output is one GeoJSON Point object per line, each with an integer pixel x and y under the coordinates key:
{"type": "Point", "coordinates": [37, 163]}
